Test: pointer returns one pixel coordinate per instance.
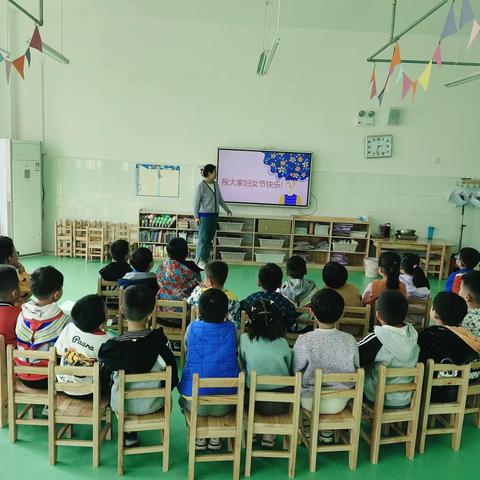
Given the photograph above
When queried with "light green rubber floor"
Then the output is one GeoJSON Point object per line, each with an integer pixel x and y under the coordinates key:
{"type": "Point", "coordinates": [27, 459]}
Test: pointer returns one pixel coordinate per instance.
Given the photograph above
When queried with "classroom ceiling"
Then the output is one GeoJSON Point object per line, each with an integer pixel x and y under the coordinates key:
{"type": "Point", "coordinates": [353, 15]}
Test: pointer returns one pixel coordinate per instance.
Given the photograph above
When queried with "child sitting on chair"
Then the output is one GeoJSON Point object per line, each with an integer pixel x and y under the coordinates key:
{"type": "Point", "coordinates": [138, 350]}
{"type": "Point", "coordinates": [265, 349]}
{"type": "Point", "coordinates": [119, 266]}
{"type": "Point", "coordinates": [447, 341]}
{"type": "Point", "coordinates": [392, 343]}
{"type": "Point", "coordinates": [298, 289]}
{"type": "Point", "coordinates": [467, 260]}
{"type": "Point", "coordinates": [270, 279]}
{"type": "Point", "coordinates": [470, 291]}
{"type": "Point", "coordinates": [211, 351]}
{"type": "Point", "coordinates": [9, 295]}
{"type": "Point", "coordinates": [414, 277]}
{"type": "Point", "coordinates": [9, 256]}
{"type": "Point", "coordinates": [81, 339]}
{"type": "Point", "coordinates": [142, 263]}
{"type": "Point", "coordinates": [41, 321]}
{"type": "Point", "coordinates": [335, 276]}
{"type": "Point", "coordinates": [216, 273]}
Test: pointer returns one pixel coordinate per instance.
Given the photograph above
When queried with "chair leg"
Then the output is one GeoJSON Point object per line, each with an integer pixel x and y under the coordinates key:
{"type": "Point", "coordinates": [410, 444]}
{"type": "Point", "coordinates": [457, 436]}
{"type": "Point", "coordinates": [12, 424]}
{"type": "Point", "coordinates": [312, 445]}
{"type": "Point", "coordinates": [353, 453]}
{"type": "Point", "coordinates": [52, 439]}
{"type": "Point", "coordinates": [120, 459]}
{"type": "Point", "coordinates": [293, 454]}
{"type": "Point", "coordinates": [96, 445]}
{"type": "Point", "coordinates": [166, 449]}
{"type": "Point", "coordinates": [108, 421]}
{"type": "Point", "coordinates": [191, 456]}
{"type": "Point", "coordinates": [182, 353]}
{"type": "Point", "coordinates": [248, 453]}
{"type": "Point", "coordinates": [375, 440]}
{"type": "Point", "coordinates": [237, 451]}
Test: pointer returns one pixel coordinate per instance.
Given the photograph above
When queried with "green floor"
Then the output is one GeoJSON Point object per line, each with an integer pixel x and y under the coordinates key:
{"type": "Point", "coordinates": [29, 455]}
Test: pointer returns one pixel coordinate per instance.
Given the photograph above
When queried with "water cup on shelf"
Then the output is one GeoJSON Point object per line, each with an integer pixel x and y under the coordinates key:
{"type": "Point", "coordinates": [430, 232]}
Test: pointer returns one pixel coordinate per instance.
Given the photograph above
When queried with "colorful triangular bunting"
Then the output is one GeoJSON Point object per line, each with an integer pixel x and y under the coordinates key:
{"type": "Point", "coordinates": [1, 58]}
{"type": "Point", "coordinates": [424, 79]}
{"type": "Point", "coordinates": [380, 97]}
{"type": "Point", "coordinates": [414, 88]}
{"type": "Point", "coordinates": [28, 56]}
{"type": "Point", "coordinates": [396, 60]}
{"type": "Point", "coordinates": [450, 26]}
{"type": "Point", "coordinates": [407, 83]}
{"type": "Point", "coordinates": [474, 32]}
{"type": "Point", "coordinates": [373, 81]}
{"type": "Point", "coordinates": [36, 41]}
{"type": "Point", "coordinates": [8, 68]}
{"type": "Point", "coordinates": [19, 63]}
{"type": "Point", "coordinates": [400, 75]}
{"type": "Point", "coordinates": [467, 13]}
{"type": "Point", "coordinates": [437, 55]}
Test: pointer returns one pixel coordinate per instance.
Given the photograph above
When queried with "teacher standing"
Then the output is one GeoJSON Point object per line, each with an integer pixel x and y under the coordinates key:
{"type": "Point", "coordinates": [205, 208]}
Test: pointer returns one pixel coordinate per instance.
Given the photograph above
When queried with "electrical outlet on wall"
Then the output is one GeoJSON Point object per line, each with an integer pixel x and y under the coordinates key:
{"type": "Point", "coordinates": [365, 118]}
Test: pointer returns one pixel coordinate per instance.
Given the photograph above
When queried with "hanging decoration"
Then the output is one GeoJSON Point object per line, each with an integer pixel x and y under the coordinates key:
{"type": "Point", "coordinates": [19, 63]}
{"type": "Point", "coordinates": [449, 28]}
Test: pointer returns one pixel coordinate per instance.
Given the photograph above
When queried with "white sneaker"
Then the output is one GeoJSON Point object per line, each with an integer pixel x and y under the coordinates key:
{"type": "Point", "coordinates": [201, 264]}
{"type": "Point", "coordinates": [325, 436]}
{"type": "Point", "coordinates": [200, 444]}
{"type": "Point", "coordinates": [214, 443]}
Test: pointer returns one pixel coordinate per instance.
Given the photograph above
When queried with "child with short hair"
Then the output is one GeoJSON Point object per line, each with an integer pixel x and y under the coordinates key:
{"type": "Point", "coordinates": [447, 341]}
{"type": "Point", "coordinates": [470, 292]}
{"type": "Point", "coordinates": [414, 277]}
{"type": "Point", "coordinates": [41, 321]}
{"type": "Point", "coordinates": [298, 289]}
{"type": "Point", "coordinates": [141, 262]}
{"type": "Point", "coordinates": [9, 295]}
{"type": "Point", "coordinates": [211, 351]}
{"type": "Point", "coordinates": [467, 259]}
{"type": "Point", "coordinates": [138, 350]}
{"type": "Point", "coordinates": [270, 279]}
{"type": "Point", "coordinates": [216, 273]}
{"type": "Point", "coordinates": [389, 269]}
{"type": "Point", "coordinates": [393, 343]}
{"type": "Point", "coordinates": [328, 349]}
{"type": "Point", "coordinates": [177, 277]}
{"type": "Point", "coordinates": [9, 256]}
{"type": "Point", "coordinates": [335, 276]}
{"type": "Point", "coordinates": [80, 341]}
{"type": "Point", "coordinates": [119, 266]}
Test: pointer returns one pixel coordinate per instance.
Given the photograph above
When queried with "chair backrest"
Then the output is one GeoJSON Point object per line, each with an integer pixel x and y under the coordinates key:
{"type": "Point", "coordinates": [45, 358]}
{"type": "Point", "coordinates": [268, 396]}
{"type": "Point", "coordinates": [414, 386]}
{"type": "Point", "coordinates": [109, 291]}
{"type": "Point", "coordinates": [305, 319]}
{"type": "Point", "coordinates": [164, 389]}
{"type": "Point", "coordinates": [443, 375]}
{"type": "Point", "coordinates": [3, 383]}
{"type": "Point", "coordinates": [194, 313]}
{"type": "Point", "coordinates": [475, 374]}
{"type": "Point", "coordinates": [83, 388]}
{"type": "Point", "coordinates": [243, 322]}
{"type": "Point", "coordinates": [418, 308]}
{"type": "Point", "coordinates": [356, 316]}
{"type": "Point", "coordinates": [171, 309]}
{"type": "Point", "coordinates": [322, 388]}
{"type": "Point", "coordinates": [231, 399]}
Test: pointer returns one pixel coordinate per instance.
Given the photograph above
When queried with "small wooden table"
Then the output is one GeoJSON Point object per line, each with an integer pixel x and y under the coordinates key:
{"type": "Point", "coordinates": [430, 247]}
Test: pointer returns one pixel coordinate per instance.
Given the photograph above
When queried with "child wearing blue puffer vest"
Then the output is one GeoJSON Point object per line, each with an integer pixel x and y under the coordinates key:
{"type": "Point", "coordinates": [211, 346]}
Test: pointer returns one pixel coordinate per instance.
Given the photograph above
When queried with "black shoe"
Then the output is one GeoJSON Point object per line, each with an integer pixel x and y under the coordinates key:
{"type": "Point", "coordinates": [130, 439]}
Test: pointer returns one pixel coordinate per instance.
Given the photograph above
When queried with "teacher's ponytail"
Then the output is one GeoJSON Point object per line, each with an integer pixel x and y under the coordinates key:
{"type": "Point", "coordinates": [207, 170]}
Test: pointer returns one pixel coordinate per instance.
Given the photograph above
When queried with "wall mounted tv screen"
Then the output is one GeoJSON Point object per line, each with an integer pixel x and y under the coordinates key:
{"type": "Point", "coordinates": [264, 177]}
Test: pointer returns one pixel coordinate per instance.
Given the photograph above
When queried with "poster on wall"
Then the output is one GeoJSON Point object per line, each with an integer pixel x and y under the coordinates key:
{"type": "Point", "coordinates": [154, 180]}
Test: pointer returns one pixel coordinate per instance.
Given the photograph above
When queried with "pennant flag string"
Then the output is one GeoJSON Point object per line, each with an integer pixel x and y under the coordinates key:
{"type": "Point", "coordinates": [424, 78]}
{"type": "Point", "coordinates": [437, 55]}
{"type": "Point", "coordinates": [474, 32]}
{"type": "Point", "coordinates": [8, 68]}
{"type": "Point", "coordinates": [19, 63]}
{"type": "Point", "coordinates": [466, 15]}
{"type": "Point", "coordinates": [450, 26]}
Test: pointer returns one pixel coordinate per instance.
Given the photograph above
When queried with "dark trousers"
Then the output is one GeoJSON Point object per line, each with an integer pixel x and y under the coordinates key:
{"type": "Point", "coordinates": [206, 234]}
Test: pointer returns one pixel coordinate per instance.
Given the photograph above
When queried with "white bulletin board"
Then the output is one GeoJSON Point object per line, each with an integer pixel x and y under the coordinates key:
{"type": "Point", "coordinates": [154, 180]}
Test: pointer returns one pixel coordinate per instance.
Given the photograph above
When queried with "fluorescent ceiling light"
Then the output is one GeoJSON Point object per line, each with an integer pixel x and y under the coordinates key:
{"type": "Point", "coordinates": [462, 81]}
{"type": "Point", "coordinates": [270, 56]}
{"type": "Point", "coordinates": [52, 53]}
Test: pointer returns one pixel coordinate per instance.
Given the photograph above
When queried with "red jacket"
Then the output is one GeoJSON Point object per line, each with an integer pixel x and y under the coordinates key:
{"type": "Point", "coordinates": [8, 320]}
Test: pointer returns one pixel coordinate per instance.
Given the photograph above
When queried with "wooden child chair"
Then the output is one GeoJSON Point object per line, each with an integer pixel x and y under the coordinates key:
{"type": "Point", "coordinates": [228, 426]}
{"type": "Point", "coordinates": [304, 319]}
{"type": "Point", "coordinates": [348, 419]}
{"type": "Point", "coordinates": [285, 425]}
{"type": "Point", "coordinates": [356, 317]}
{"type": "Point", "coordinates": [448, 415]}
{"type": "Point", "coordinates": [63, 238]}
{"type": "Point", "coordinates": [419, 313]}
{"type": "Point", "coordinates": [3, 384]}
{"type": "Point", "coordinates": [80, 238]}
{"type": "Point", "coordinates": [176, 311]}
{"type": "Point", "coordinates": [95, 242]}
{"type": "Point", "coordinates": [473, 395]}
{"type": "Point", "coordinates": [159, 420]}
{"type": "Point", "coordinates": [110, 292]}
{"type": "Point", "coordinates": [69, 411]}
{"type": "Point", "coordinates": [388, 419]}
{"type": "Point", "coordinates": [20, 394]}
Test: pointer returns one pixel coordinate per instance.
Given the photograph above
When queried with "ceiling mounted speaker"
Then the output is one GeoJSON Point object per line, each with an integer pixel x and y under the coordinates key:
{"type": "Point", "coordinates": [394, 116]}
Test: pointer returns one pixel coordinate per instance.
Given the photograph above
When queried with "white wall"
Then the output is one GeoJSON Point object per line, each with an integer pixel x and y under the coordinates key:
{"type": "Point", "coordinates": [141, 87]}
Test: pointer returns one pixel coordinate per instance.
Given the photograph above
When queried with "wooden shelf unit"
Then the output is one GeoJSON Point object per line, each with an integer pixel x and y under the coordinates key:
{"type": "Point", "coordinates": [155, 237]}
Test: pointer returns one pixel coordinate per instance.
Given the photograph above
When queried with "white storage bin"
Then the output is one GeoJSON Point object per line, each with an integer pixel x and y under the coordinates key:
{"type": "Point", "coordinates": [230, 241]}
{"type": "Point", "coordinates": [270, 257]}
{"type": "Point", "coordinates": [233, 256]}
{"type": "Point", "coordinates": [358, 234]}
{"type": "Point", "coordinates": [321, 230]}
{"type": "Point", "coordinates": [231, 226]}
{"type": "Point", "coordinates": [347, 247]}
{"type": "Point", "coordinates": [271, 242]}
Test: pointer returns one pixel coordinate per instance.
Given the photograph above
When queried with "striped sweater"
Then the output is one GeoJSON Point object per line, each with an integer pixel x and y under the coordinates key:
{"type": "Point", "coordinates": [38, 329]}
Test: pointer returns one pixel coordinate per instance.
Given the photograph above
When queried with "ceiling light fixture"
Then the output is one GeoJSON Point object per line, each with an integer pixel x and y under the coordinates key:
{"type": "Point", "coordinates": [266, 56]}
